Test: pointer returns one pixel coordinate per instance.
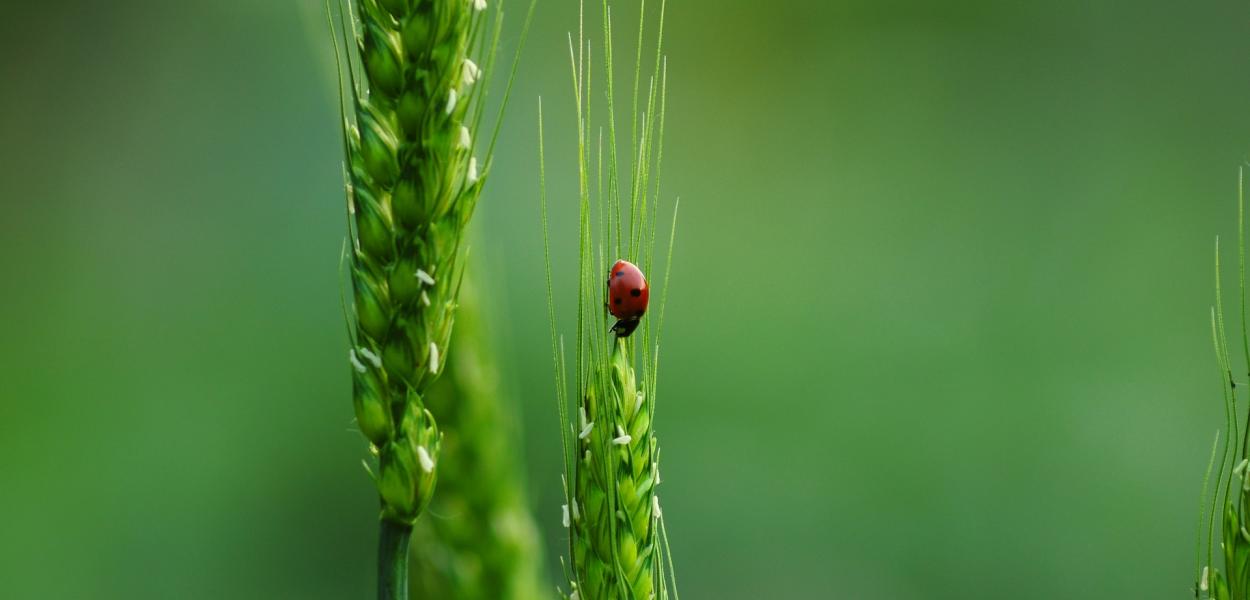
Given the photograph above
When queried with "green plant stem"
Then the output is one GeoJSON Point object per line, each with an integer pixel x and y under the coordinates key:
{"type": "Point", "coordinates": [393, 541]}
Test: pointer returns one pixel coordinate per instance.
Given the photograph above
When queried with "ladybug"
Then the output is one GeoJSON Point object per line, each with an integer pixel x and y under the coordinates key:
{"type": "Point", "coordinates": [627, 296]}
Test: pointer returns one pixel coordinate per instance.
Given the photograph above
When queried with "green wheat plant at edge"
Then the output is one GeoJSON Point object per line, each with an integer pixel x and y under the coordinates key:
{"type": "Point", "coordinates": [414, 100]}
{"type": "Point", "coordinates": [1230, 499]}
{"type": "Point", "coordinates": [478, 540]}
{"type": "Point", "coordinates": [618, 547]}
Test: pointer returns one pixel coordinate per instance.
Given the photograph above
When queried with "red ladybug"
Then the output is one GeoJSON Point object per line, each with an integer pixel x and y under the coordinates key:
{"type": "Point", "coordinates": [627, 296]}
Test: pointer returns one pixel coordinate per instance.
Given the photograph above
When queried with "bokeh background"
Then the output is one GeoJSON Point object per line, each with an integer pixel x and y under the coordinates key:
{"type": "Point", "coordinates": [938, 322]}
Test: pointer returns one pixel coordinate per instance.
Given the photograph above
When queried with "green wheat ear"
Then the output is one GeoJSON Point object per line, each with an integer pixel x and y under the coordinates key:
{"type": "Point", "coordinates": [413, 102]}
{"type": "Point", "coordinates": [618, 548]}
{"type": "Point", "coordinates": [479, 541]}
{"type": "Point", "coordinates": [1232, 490]}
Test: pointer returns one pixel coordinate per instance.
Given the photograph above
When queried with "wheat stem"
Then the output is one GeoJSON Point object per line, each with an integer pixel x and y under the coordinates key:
{"type": "Point", "coordinates": [393, 560]}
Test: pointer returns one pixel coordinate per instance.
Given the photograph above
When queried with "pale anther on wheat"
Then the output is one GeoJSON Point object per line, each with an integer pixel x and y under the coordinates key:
{"type": "Point", "coordinates": [465, 141]}
{"type": "Point", "coordinates": [1203, 583]}
{"type": "Point", "coordinates": [479, 4]}
{"type": "Point", "coordinates": [471, 72]}
{"type": "Point", "coordinates": [356, 364]}
{"type": "Point", "coordinates": [425, 298]}
{"type": "Point", "coordinates": [425, 278]}
{"type": "Point", "coordinates": [472, 176]}
{"type": "Point", "coordinates": [655, 506]}
{"type": "Point", "coordinates": [586, 430]}
{"type": "Point", "coordinates": [433, 357]}
{"type": "Point", "coordinates": [371, 357]}
{"type": "Point", "coordinates": [564, 515]}
{"type": "Point", "coordinates": [621, 438]}
{"type": "Point", "coordinates": [451, 100]}
{"type": "Point", "coordinates": [423, 457]}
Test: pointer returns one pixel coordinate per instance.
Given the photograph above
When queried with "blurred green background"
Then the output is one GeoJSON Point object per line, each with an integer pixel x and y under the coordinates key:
{"type": "Point", "coordinates": [938, 324]}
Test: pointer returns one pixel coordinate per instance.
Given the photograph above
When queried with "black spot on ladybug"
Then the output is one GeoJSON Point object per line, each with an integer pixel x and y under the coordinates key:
{"type": "Point", "coordinates": [635, 292]}
{"type": "Point", "coordinates": [616, 301]}
{"type": "Point", "coordinates": [620, 273]}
